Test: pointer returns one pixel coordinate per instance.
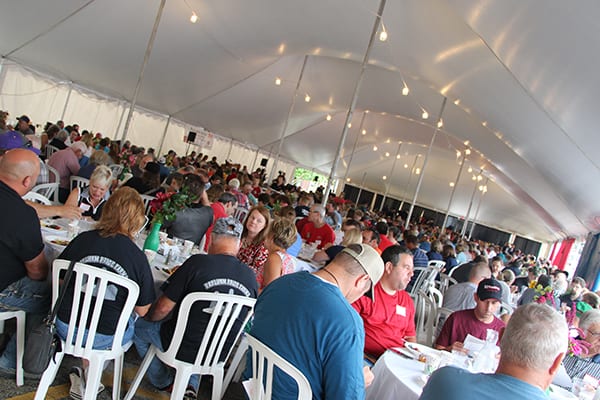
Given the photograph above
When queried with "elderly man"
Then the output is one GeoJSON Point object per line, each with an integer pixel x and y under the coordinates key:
{"type": "Point", "coordinates": [475, 321]}
{"type": "Point", "coordinates": [219, 271]}
{"type": "Point", "coordinates": [333, 218]}
{"type": "Point", "coordinates": [389, 321]}
{"type": "Point", "coordinates": [588, 363]}
{"type": "Point", "coordinates": [532, 347]}
{"type": "Point", "coordinates": [460, 296]}
{"type": "Point", "coordinates": [316, 229]}
{"type": "Point", "coordinates": [23, 283]}
{"type": "Point", "coordinates": [223, 207]}
{"type": "Point", "coordinates": [307, 319]}
{"type": "Point", "coordinates": [66, 162]}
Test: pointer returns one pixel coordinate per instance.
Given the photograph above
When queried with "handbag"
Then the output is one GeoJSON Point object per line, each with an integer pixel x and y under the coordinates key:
{"type": "Point", "coordinates": [42, 341]}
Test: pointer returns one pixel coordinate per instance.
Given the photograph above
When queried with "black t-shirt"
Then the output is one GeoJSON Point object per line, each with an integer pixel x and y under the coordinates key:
{"type": "Point", "coordinates": [204, 273]}
{"type": "Point", "coordinates": [302, 211]}
{"type": "Point", "coordinates": [116, 254]}
{"type": "Point", "coordinates": [20, 236]}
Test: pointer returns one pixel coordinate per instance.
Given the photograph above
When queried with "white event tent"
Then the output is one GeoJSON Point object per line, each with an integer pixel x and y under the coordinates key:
{"type": "Point", "coordinates": [512, 82]}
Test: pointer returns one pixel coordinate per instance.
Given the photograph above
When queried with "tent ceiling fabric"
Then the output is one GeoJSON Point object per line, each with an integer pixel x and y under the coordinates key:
{"type": "Point", "coordinates": [505, 61]}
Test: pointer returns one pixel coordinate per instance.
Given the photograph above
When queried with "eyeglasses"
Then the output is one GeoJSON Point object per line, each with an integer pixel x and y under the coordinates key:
{"type": "Point", "coordinates": [592, 333]}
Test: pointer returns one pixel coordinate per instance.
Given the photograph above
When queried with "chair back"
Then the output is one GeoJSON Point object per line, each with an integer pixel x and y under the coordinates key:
{"type": "Point", "coordinates": [37, 198]}
{"type": "Point", "coordinates": [505, 308]}
{"type": "Point", "coordinates": [78, 181]}
{"type": "Point", "coordinates": [53, 175]}
{"type": "Point", "coordinates": [445, 282]}
{"type": "Point", "coordinates": [240, 214]}
{"type": "Point", "coordinates": [426, 313]}
{"type": "Point", "coordinates": [425, 279]}
{"type": "Point", "coordinates": [263, 361]}
{"type": "Point", "coordinates": [50, 150]}
{"type": "Point", "coordinates": [116, 170]}
{"type": "Point", "coordinates": [442, 315]}
{"type": "Point", "coordinates": [147, 199]}
{"type": "Point", "coordinates": [453, 269]}
{"type": "Point", "coordinates": [48, 190]}
{"type": "Point", "coordinates": [437, 264]}
{"type": "Point", "coordinates": [90, 288]}
{"type": "Point", "coordinates": [225, 309]}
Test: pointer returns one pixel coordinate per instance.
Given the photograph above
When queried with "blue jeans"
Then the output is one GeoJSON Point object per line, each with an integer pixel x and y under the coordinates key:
{"type": "Point", "coordinates": [159, 375]}
{"type": "Point", "coordinates": [101, 341]}
{"type": "Point", "coordinates": [28, 295]}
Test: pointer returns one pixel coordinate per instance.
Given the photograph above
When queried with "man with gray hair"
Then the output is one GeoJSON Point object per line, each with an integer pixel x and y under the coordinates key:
{"type": "Point", "coordinates": [460, 296]}
{"type": "Point", "coordinates": [588, 363]}
{"type": "Point", "coordinates": [316, 229]}
{"type": "Point", "coordinates": [532, 348]}
{"type": "Point", "coordinates": [218, 271]}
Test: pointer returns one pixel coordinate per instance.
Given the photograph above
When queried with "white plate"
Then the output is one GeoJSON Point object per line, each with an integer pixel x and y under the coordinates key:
{"type": "Point", "coordinates": [558, 393]}
{"type": "Point", "coordinates": [421, 348]}
{"type": "Point", "coordinates": [57, 242]}
{"type": "Point", "coordinates": [52, 227]}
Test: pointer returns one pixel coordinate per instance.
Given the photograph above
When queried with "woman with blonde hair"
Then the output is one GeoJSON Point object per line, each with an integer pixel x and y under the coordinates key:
{"type": "Point", "coordinates": [110, 247]}
{"type": "Point", "coordinates": [253, 251]}
{"type": "Point", "coordinates": [351, 236]}
{"type": "Point", "coordinates": [282, 235]}
{"type": "Point", "coordinates": [91, 200]}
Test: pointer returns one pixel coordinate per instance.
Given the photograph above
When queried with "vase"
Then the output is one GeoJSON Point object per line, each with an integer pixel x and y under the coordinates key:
{"type": "Point", "coordinates": [153, 240]}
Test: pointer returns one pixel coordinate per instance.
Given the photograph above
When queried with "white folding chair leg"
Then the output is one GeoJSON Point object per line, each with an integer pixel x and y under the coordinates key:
{"type": "Point", "coordinates": [94, 375]}
{"type": "Point", "coordinates": [217, 385]}
{"type": "Point", "coordinates": [141, 372]}
{"type": "Point", "coordinates": [20, 316]}
{"type": "Point", "coordinates": [2, 326]}
{"type": "Point", "coordinates": [48, 377]}
{"type": "Point", "coordinates": [232, 371]}
{"type": "Point", "coordinates": [117, 372]}
{"type": "Point", "coordinates": [182, 377]}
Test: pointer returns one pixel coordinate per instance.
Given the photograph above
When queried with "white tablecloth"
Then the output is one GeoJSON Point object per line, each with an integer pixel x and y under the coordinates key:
{"type": "Point", "coordinates": [396, 377]}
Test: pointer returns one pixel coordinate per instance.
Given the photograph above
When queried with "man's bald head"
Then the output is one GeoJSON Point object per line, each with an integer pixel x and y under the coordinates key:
{"type": "Point", "coordinates": [19, 169]}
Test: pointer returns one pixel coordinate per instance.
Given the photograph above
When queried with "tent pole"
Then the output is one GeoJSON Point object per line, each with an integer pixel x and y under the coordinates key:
{"type": "Point", "coordinates": [412, 169]}
{"type": "Point", "coordinates": [387, 189]}
{"type": "Point", "coordinates": [162, 140]}
{"type": "Point", "coordinates": [64, 111]}
{"type": "Point", "coordinates": [363, 68]}
{"type": "Point", "coordinates": [229, 151]}
{"type": "Point", "coordinates": [2, 72]}
{"type": "Point", "coordinates": [121, 120]}
{"type": "Point", "coordinates": [255, 158]}
{"type": "Point", "coordinates": [478, 205]}
{"type": "Point", "coordinates": [141, 75]}
{"type": "Point", "coordinates": [360, 128]}
{"type": "Point", "coordinates": [464, 227]}
{"type": "Point", "coordinates": [462, 164]}
{"type": "Point", "coordinates": [422, 174]}
{"type": "Point", "coordinates": [360, 188]}
{"type": "Point", "coordinates": [287, 120]}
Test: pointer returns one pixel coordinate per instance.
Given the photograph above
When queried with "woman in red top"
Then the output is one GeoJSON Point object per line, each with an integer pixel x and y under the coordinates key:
{"type": "Point", "coordinates": [253, 250]}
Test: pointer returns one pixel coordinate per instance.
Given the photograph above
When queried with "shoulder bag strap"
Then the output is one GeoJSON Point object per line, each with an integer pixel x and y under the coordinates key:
{"type": "Point", "coordinates": [61, 292]}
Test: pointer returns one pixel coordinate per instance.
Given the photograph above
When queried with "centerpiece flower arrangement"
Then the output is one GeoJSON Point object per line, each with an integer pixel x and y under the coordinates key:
{"type": "Point", "coordinates": [164, 208]}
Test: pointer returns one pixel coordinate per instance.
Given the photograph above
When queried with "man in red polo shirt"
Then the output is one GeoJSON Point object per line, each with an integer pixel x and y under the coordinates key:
{"type": "Point", "coordinates": [389, 318]}
{"type": "Point", "coordinates": [316, 229]}
{"type": "Point", "coordinates": [224, 207]}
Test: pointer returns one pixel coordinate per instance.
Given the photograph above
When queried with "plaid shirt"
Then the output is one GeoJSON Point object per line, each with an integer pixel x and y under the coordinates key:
{"type": "Point", "coordinates": [44, 176]}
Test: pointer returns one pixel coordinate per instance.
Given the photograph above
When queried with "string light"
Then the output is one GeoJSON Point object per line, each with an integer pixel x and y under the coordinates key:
{"type": "Point", "coordinates": [458, 153]}
{"type": "Point", "coordinates": [470, 170]}
{"type": "Point", "coordinates": [425, 114]}
{"type": "Point", "coordinates": [484, 123]}
{"type": "Point", "coordinates": [194, 18]}
{"type": "Point", "coordinates": [405, 90]}
{"type": "Point", "coordinates": [347, 179]}
{"type": "Point", "coordinates": [349, 124]}
{"type": "Point", "coordinates": [383, 34]}
{"type": "Point", "coordinates": [374, 148]}
{"type": "Point", "coordinates": [440, 123]}
{"type": "Point", "coordinates": [451, 184]}
{"type": "Point", "coordinates": [387, 154]}
{"type": "Point", "coordinates": [364, 131]}
{"type": "Point", "coordinates": [468, 152]}
{"type": "Point", "coordinates": [405, 165]}
{"type": "Point", "coordinates": [474, 178]}
{"type": "Point", "coordinates": [384, 177]}
{"type": "Point", "coordinates": [397, 156]}
{"type": "Point", "coordinates": [457, 101]}
{"type": "Point", "coordinates": [328, 117]}
{"type": "Point", "coordinates": [417, 170]}
{"type": "Point", "coordinates": [277, 81]}
{"type": "Point", "coordinates": [307, 98]}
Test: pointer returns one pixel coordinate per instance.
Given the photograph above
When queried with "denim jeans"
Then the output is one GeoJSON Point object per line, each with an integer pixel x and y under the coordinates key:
{"type": "Point", "coordinates": [28, 295]}
{"type": "Point", "coordinates": [159, 375]}
{"type": "Point", "coordinates": [101, 341]}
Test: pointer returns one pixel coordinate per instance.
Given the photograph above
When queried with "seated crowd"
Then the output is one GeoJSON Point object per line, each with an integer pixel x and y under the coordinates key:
{"type": "Point", "coordinates": [331, 324]}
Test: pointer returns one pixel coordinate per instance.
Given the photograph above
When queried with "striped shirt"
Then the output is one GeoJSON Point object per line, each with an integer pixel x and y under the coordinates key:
{"type": "Point", "coordinates": [578, 367]}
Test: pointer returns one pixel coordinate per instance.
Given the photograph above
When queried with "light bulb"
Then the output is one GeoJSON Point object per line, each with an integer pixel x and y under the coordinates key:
{"type": "Point", "coordinates": [364, 131]}
{"type": "Point", "coordinates": [278, 81]}
{"type": "Point", "coordinates": [374, 148]}
{"type": "Point", "coordinates": [398, 157]}
{"type": "Point", "coordinates": [458, 154]}
{"type": "Point", "coordinates": [307, 98]}
{"type": "Point", "coordinates": [405, 90]}
{"type": "Point", "coordinates": [349, 124]}
{"type": "Point", "coordinates": [328, 117]}
{"type": "Point", "coordinates": [425, 115]}
{"type": "Point", "coordinates": [481, 188]}
{"type": "Point", "coordinates": [387, 154]}
{"type": "Point", "coordinates": [484, 123]}
{"type": "Point", "coordinates": [194, 18]}
{"type": "Point", "coordinates": [467, 152]}
{"type": "Point", "coordinates": [347, 179]}
{"type": "Point", "coordinates": [474, 178]}
{"type": "Point", "coordinates": [440, 123]}
{"type": "Point", "coordinates": [470, 170]}
{"type": "Point", "coordinates": [451, 184]}
{"type": "Point", "coordinates": [479, 177]}
{"type": "Point", "coordinates": [405, 165]}
{"type": "Point", "coordinates": [457, 101]}
{"type": "Point", "coordinates": [383, 36]}
{"type": "Point", "coordinates": [418, 171]}
{"type": "Point", "coordinates": [384, 177]}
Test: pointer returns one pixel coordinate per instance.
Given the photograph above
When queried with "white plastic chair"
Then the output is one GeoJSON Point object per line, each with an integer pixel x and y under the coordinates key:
{"type": "Point", "coordinates": [48, 190]}
{"type": "Point", "coordinates": [78, 181]}
{"type": "Point", "coordinates": [442, 315]}
{"type": "Point", "coordinates": [453, 269]}
{"type": "Point", "coordinates": [116, 170]}
{"type": "Point", "coordinates": [226, 310]}
{"type": "Point", "coordinates": [36, 198]}
{"type": "Point", "coordinates": [435, 295]}
{"type": "Point", "coordinates": [426, 314]}
{"type": "Point", "coordinates": [20, 317]}
{"type": "Point", "coordinates": [50, 150]}
{"type": "Point", "coordinates": [262, 375]}
{"type": "Point", "coordinates": [147, 199]}
{"type": "Point", "coordinates": [240, 214]}
{"type": "Point", "coordinates": [424, 280]}
{"type": "Point", "coordinates": [90, 283]}
{"type": "Point", "coordinates": [437, 264]}
{"type": "Point", "coordinates": [53, 175]}
{"type": "Point", "coordinates": [445, 281]}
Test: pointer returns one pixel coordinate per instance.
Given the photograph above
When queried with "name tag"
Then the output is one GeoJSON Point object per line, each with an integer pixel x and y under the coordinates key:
{"type": "Point", "coordinates": [84, 206]}
{"type": "Point", "coordinates": [401, 310]}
